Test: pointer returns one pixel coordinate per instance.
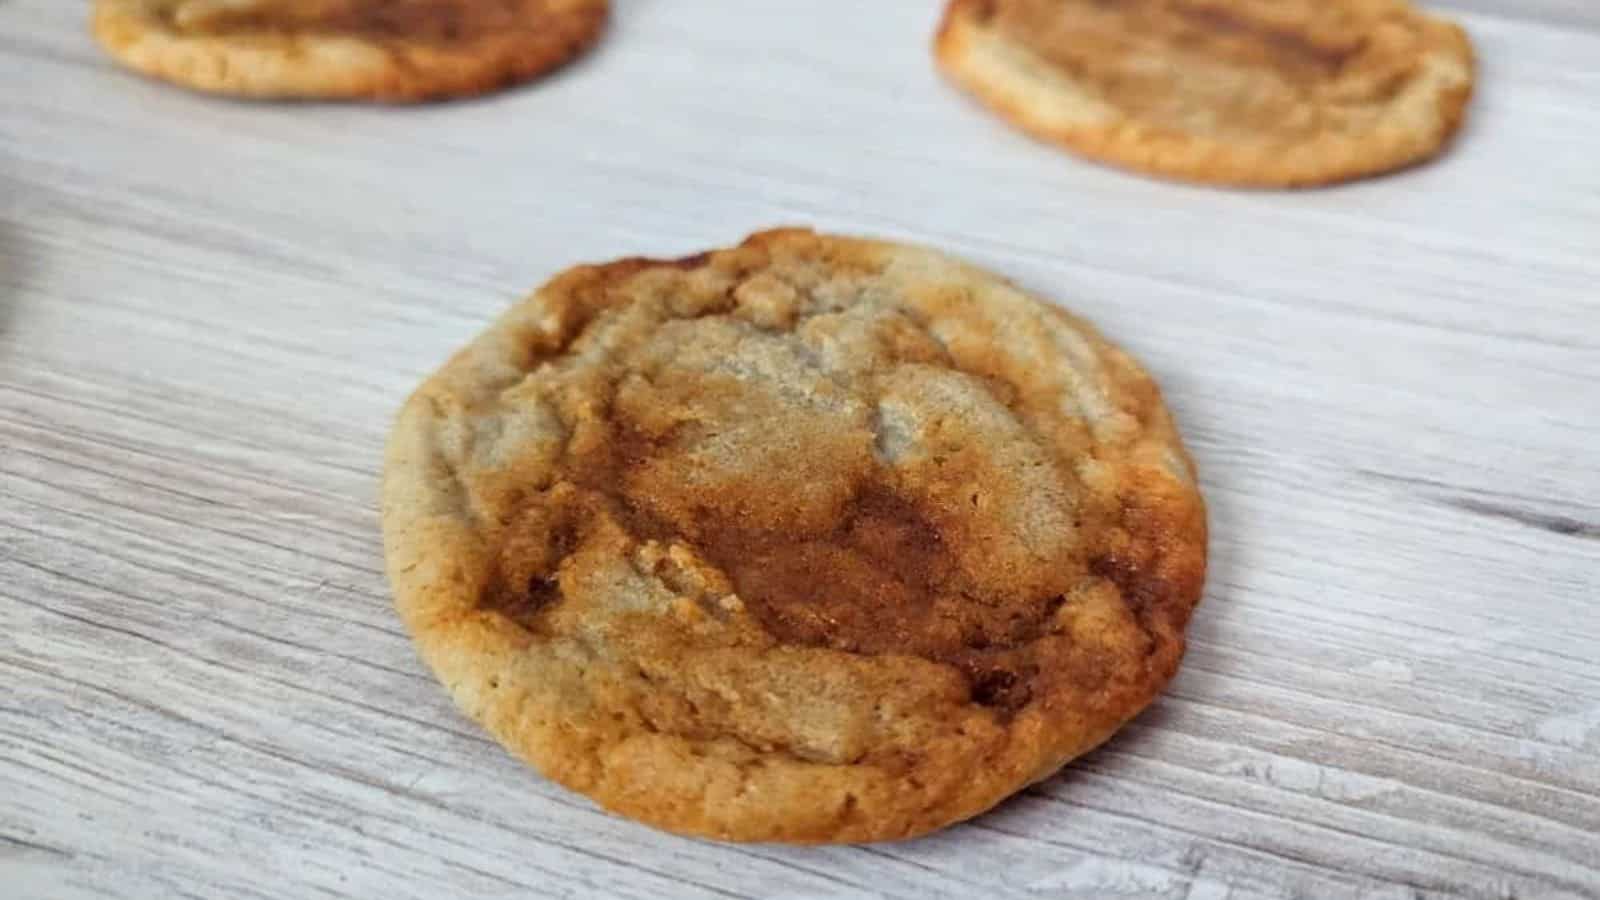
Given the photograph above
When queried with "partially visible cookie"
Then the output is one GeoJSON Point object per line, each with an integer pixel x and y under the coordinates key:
{"type": "Point", "coordinates": [1272, 93]}
{"type": "Point", "coordinates": [390, 50]}
{"type": "Point", "coordinates": [814, 539]}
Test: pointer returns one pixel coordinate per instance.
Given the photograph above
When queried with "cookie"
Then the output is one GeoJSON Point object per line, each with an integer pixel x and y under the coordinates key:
{"type": "Point", "coordinates": [389, 50]}
{"type": "Point", "coordinates": [814, 539]}
{"type": "Point", "coordinates": [1267, 93]}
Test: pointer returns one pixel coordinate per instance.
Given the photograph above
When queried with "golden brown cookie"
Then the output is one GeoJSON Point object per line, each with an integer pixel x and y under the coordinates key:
{"type": "Point", "coordinates": [815, 539]}
{"type": "Point", "coordinates": [1272, 93]}
{"type": "Point", "coordinates": [392, 50]}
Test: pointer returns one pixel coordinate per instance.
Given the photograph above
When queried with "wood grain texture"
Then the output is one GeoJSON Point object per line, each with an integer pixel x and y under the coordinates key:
{"type": "Point", "coordinates": [209, 311]}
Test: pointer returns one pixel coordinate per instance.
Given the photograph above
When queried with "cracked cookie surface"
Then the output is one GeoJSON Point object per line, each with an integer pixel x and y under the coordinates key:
{"type": "Point", "coordinates": [813, 539]}
{"type": "Point", "coordinates": [391, 50]}
{"type": "Point", "coordinates": [1249, 92]}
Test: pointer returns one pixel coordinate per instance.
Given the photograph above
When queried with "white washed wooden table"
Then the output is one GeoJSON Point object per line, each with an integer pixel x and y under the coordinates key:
{"type": "Point", "coordinates": [209, 311]}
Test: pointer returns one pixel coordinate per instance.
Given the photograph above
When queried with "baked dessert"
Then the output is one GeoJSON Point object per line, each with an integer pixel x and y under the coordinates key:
{"type": "Point", "coordinates": [386, 50]}
{"type": "Point", "coordinates": [813, 539]}
{"type": "Point", "coordinates": [1267, 93]}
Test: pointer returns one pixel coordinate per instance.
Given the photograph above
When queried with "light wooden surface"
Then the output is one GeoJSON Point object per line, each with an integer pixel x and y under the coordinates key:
{"type": "Point", "coordinates": [209, 310]}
